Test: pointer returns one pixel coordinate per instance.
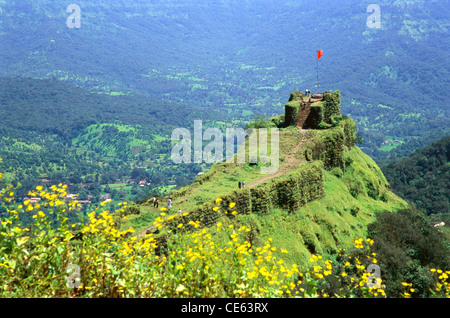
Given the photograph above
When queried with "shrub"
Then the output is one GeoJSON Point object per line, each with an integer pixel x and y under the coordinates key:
{"type": "Point", "coordinates": [332, 106]}
{"type": "Point", "coordinates": [408, 247]}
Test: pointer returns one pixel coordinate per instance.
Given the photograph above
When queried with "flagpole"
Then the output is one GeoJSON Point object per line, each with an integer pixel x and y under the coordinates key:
{"type": "Point", "coordinates": [318, 89]}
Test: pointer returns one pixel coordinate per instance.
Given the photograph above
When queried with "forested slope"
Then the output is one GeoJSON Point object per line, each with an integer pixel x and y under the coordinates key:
{"type": "Point", "coordinates": [423, 178]}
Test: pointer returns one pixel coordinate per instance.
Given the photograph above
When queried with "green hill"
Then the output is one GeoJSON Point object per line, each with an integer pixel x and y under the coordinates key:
{"type": "Point", "coordinates": [304, 230]}
{"type": "Point", "coordinates": [324, 194]}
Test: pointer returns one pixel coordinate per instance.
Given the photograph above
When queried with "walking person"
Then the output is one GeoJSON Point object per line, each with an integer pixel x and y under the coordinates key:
{"type": "Point", "coordinates": [156, 204]}
{"type": "Point", "coordinates": [239, 184]}
{"type": "Point", "coordinates": [169, 203]}
{"type": "Point", "coordinates": [243, 184]}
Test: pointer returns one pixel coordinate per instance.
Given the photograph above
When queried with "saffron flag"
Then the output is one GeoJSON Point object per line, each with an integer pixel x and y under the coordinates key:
{"type": "Point", "coordinates": [319, 54]}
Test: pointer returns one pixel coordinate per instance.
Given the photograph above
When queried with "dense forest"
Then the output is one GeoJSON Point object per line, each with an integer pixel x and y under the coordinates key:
{"type": "Point", "coordinates": [423, 178]}
{"type": "Point", "coordinates": [407, 248]}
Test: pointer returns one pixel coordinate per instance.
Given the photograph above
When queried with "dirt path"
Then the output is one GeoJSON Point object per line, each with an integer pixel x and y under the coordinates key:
{"type": "Point", "coordinates": [291, 163]}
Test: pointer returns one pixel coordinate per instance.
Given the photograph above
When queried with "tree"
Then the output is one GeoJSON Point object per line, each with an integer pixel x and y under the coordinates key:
{"type": "Point", "coordinates": [407, 246]}
{"type": "Point", "coordinates": [138, 173]}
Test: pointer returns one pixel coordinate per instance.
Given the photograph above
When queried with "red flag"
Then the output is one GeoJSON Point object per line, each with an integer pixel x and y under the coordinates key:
{"type": "Point", "coordinates": [319, 54]}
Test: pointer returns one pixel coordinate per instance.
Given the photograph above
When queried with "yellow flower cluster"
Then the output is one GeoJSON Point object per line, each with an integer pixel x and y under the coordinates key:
{"type": "Point", "coordinates": [196, 261]}
{"type": "Point", "coordinates": [442, 285]}
{"type": "Point", "coordinates": [268, 268]}
{"type": "Point", "coordinates": [354, 273]}
{"type": "Point", "coordinates": [442, 288]}
{"type": "Point", "coordinates": [104, 224]}
{"type": "Point", "coordinates": [359, 243]}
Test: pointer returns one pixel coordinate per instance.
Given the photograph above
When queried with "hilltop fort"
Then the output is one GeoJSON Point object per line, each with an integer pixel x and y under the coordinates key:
{"type": "Point", "coordinates": [324, 180]}
{"type": "Point", "coordinates": [312, 111]}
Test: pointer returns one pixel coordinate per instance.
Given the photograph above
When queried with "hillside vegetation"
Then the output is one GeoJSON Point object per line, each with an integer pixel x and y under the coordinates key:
{"type": "Point", "coordinates": [99, 144]}
{"type": "Point", "coordinates": [324, 194]}
{"type": "Point", "coordinates": [303, 231]}
{"type": "Point", "coordinates": [423, 178]}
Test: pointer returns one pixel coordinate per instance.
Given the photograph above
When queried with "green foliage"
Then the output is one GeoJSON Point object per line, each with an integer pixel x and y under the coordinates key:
{"type": "Point", "coordinates": [315, 118]}
{"type": "Point", "coordinates": [260, 121]}
{"type": "Point", "coordinates": [364, 177]}
{"type": "Point", "coordinates": [292, 109]}
{"type": "Point", "coordinates": [407, 247]}
{"type": "Point", "coordinates": [330, 149]}
{"type": "Point", "coordinates": [423, 178]}
{"type": "Point", "coordinates": [131, 210]}
{"type": "Point", "coordinates": [93, 258]}
{"type": "Point", "coordinates": [289, 192]}
{"type": "Point", "coordinates": [278, 121]}
{"type": "Point", "coordinates": [332, 106]}
{"type": "Point", "coordinates": [332, 145]}
{"type": "Point", "coordinates": [310, 208]}
{"type": "Point", "coordinates": [98, 140]}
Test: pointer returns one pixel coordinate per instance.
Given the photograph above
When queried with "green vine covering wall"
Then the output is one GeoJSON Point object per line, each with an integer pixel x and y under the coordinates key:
{"type": "Point", "coordinates": [334, 143]}
{"type": "Point", "coordinates": [314, 118]}
{"type": "Point", "coordinates": [332, 105]}
{"type": "Point", "coordinates": [318, 114]}
{"type": "Point", "coordinates": [289, 192]}
{"type": "Point", "coordinates": [292, 110]}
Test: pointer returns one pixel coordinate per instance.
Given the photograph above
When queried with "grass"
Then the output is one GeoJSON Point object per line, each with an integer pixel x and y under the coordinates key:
{"type": "Point", "coordinates": [352, 200]}
{"type": "Point", "coordinates": [323, 226]}
{"type": "Point", "coordinates": [226, 177]}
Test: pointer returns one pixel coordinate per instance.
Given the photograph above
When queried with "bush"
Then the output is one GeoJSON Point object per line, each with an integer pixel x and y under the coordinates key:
{"type": "Point", "coordinates": [131, 210]}
{"type": "Point", "coordinates": [332, 106]}
{"type": "Point", "coordinates": [260, 121]}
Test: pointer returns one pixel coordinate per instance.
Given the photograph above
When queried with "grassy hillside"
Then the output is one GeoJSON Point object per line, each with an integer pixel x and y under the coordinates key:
{"type": "Point", "coordinates": [302, 231]}
{"type": "Point", "coordinates": [307, 206]}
